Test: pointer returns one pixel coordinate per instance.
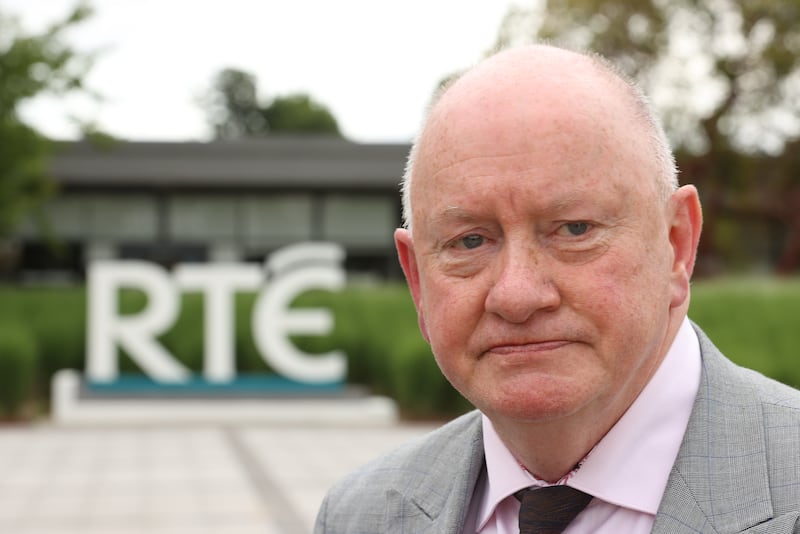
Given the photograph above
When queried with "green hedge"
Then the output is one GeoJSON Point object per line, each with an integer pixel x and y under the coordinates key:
{"type": "Point", "coordinates": [18, 362]}
{"type": "Point", "coordinates": [55, 319]}
{"type": "Point", "coordinates": [755, 322]}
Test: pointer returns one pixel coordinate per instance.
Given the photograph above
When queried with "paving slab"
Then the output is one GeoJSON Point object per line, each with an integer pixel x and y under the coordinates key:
{"type": "Point", "coordinates": [175, 479]}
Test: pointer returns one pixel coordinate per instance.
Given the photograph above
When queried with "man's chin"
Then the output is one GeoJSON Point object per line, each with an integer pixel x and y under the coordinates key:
{"type": "Point", "coordinates": [541, 409]}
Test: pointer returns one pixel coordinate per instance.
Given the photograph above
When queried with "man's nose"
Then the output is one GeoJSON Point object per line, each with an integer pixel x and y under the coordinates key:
{"type": "Point", "coordinates": [522, 287]}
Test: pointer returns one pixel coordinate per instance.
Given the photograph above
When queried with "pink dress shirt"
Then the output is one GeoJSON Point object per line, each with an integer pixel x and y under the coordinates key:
{"type": "Point", "coordinates": [626, 471]}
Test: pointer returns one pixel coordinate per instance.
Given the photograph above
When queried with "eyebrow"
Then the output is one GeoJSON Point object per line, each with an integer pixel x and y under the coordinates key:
{"type": "Point", "coordinates": [454, 213]}
{"type": "Point", "coordinates": [566, 201]}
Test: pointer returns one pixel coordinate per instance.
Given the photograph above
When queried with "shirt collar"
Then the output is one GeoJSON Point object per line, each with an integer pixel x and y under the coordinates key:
{"type": "Point", "coordinates": [630, 466]}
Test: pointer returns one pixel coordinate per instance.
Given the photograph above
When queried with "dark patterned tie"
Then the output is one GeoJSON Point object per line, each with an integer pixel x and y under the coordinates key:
{"type": "Point", "coordinates": [549, 510]}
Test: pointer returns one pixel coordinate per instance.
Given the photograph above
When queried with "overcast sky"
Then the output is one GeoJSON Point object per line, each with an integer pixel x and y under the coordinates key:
{"type": "Point", "coordinates": [374, 63]}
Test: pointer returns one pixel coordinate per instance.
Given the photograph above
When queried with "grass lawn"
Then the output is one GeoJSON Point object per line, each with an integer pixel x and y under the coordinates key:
{"type": "Point", "coordinates": [755, 322]}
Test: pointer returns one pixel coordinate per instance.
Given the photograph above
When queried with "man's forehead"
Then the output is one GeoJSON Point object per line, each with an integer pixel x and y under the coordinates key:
{"type": "Point", "coordinates": [532, 71]}
{"type": "Point", "coordinates": [539, 112]}
{"type": "Point", "coordinates": [538, 64]}
{"type": "Point", "coordinates": [483, 188]}
{"type": "Point", "coordinates": [448, 205]}
{"type": "Point", "coordinates": [501, 119]}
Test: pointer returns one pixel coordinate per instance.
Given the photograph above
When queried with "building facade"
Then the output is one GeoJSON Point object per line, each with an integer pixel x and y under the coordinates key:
{"type": "Point", "coordinates": [218, 201]}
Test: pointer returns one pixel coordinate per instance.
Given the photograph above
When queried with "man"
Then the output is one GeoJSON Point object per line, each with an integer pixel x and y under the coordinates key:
{"type": "Point", "coordinates": [548, 250]}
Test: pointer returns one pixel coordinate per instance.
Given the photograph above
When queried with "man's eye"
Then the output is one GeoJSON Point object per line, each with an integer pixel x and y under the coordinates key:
{"type": "Point", "coordinates": [576, 228]}
{"type": "Point", "coordinates": [472, 241]}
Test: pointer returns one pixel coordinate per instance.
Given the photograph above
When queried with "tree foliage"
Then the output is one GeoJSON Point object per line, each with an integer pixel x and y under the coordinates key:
{"type": "Point", "coordinates": [234, 110]}
{"type": "Point", "coordinates": [725, 77]}
{"type": "Point", "coordinates": [721, 72]}
{"type": "Point", "coordinates": [30, 65]}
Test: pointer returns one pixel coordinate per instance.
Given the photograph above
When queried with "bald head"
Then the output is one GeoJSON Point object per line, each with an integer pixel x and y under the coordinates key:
{"type": "Point", "coordinates": [520, 95]}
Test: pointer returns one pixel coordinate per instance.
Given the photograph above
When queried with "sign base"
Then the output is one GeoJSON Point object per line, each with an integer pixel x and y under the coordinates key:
{"type": "Point", "coordinates": [74, 403]}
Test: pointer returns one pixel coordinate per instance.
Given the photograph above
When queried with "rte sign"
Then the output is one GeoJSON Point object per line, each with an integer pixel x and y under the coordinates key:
{"type": "Point", "coordinates": [287, 273]}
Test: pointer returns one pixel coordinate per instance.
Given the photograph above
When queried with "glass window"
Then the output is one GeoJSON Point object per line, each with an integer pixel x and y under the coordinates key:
{"type": "Point", "coordinates": [201, 217]}
{"type": "Point", "coordinates": [276, 220]}
{"type": "Point", "coordinates": [359, 220]}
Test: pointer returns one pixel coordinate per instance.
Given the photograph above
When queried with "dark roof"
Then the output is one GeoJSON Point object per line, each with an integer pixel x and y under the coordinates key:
{"type": "Point", "coordinates": [274, 162]}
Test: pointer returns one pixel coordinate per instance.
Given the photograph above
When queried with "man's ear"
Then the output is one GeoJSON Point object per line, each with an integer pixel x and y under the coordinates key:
{"type": "Point", "coordinates": [685, 224]}
{"type": "Point", "coordinates": [408, 261]}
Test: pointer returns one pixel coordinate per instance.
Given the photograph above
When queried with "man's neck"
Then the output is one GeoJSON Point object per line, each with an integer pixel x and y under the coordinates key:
{"type": "Point", "coordinates": [549, 451]}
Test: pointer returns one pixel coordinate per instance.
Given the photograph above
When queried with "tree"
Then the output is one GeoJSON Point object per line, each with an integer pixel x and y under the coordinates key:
{"type": "Point", "coordinates": [725, 76]}
{"type": "Point", "coordinates": [30, 65]}
{"type": "Point", "coordinates": [233, 107]}
{"type": "Point", "coordinates": [298, 113]}
{"type": "Point", "coordinates": [234, 111]}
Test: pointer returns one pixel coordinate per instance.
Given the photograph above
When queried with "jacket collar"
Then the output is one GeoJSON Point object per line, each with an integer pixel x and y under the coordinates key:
{"type": "Point", "coordinates": [437, 499]}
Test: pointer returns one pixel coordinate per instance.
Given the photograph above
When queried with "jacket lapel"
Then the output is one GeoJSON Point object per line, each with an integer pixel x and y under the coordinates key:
{"type": "Point", "coordinates": [437, 497]}
{"type": "Point", "coordinates": [724, 445]}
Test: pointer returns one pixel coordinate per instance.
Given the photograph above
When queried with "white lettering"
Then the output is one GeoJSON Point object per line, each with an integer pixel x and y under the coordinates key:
{"type": "Point", "coordinates": [136, 333]}
{"type": "Point", "coordinates": [219, 283]}
{"type": "Point", "coordinates": [290, 271]}
{"type": "Point", "coordinates": [273, 321]}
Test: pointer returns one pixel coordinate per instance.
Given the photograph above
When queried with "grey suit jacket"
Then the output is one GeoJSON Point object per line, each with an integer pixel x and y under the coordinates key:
{"type": "Point", "coordinates": [738, 468]}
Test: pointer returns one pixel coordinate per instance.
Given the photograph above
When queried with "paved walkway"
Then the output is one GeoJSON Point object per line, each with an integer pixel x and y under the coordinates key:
{"type": "Point", "coordinates": [194, 479]}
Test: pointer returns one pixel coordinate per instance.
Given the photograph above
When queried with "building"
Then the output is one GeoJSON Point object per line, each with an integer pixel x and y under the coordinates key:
{"type": "Point", "coordinates": [219, 201]}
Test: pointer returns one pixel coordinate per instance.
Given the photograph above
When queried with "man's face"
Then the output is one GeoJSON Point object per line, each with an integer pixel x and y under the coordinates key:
{"type": "Point", "coordinates": [540, 262]}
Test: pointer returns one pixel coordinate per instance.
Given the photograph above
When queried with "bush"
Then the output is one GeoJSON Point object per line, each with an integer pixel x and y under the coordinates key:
{"type": "Point", "coordinates": [370, 323]}
{"type": "Point", "coordinates": [418, 385]}
{"type": "Point", "coordinates": [60, 337]}
{"type": "Point", "coordinates": [18, 366]}
{"type": "Point", "coordinates": [56, 318]}
{"type": "Point", "coordinates": [186, 339]}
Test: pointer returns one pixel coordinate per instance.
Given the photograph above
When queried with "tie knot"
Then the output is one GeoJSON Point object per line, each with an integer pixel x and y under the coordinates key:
{"type": "Point", "coordinates": [549, 510]}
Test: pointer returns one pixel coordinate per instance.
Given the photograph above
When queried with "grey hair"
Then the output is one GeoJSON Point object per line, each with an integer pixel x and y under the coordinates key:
{"type": "Point", "coordinates": [405, 183]}
{"type": "Point", "coordinates": [667, 175]}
